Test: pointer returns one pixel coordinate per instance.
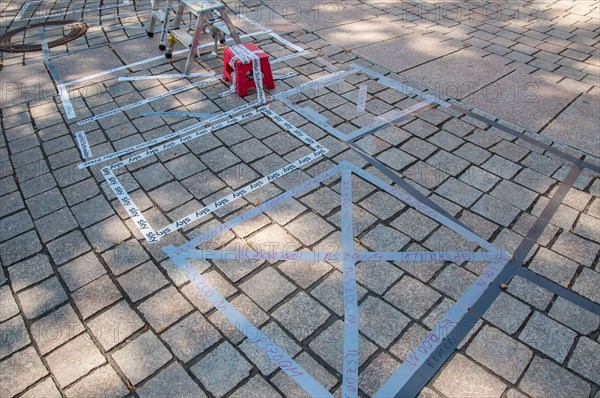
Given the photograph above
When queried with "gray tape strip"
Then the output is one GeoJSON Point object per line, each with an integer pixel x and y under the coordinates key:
{"type": "Point", "coordinates": [410, 385]}
{"type": "Point", "coordinates": [328, 65]}
{"type": "Point", "coordinates": [60, 87]}
{"type": "Point", "coordinates": [350, 362]}
{"type": "Point", "coordinates": [146, 101]}
{"type": "Point", "coordinates": [559, 290]}
{"type": "Point", "coordinates": [387, 119]}
{"type": "Point", "coordinates": [361, 99]}
{"type": "Point", "coordinates": [261, 341]}
{"type": "Point", "coordinates": [406, 89]}
{"type": "Point", "coordinates": [441, 218]}
{"type": "Point", "coordinates": [580, 163]}
{"type": "Point", "coordinates": [413, 257]}
{"type": "Point", "coordinates": [250, 214]}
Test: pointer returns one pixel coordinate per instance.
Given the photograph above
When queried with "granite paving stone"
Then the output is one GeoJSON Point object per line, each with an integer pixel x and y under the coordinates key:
{"type": "Point", "coordinates": [95, 296]}
{"type": "Point", "coordinates": [301, 315]}
{"type": "Point", "coordinates": [172, 381]}
{"type": "Point", "coordinates": [103, 381]}
{"type": "Point", "coordinates": [500, 353]}
{"type": "Point", "coordinates": [330, 292]}
{"type": "Point", "coordinates": [222, 369]}
{"type": "Point", "coordinates": [279, 337]}
{"type": "Point", "coordinates": [14, 336]}
{"type": "Point", "coordinates": [378, 372]}
{"type": "Point", "coordinates": [125, 257]}
{"type": "Point", "coordinates": [256, 387]}
{"type": "Point", "coordinates": [115, 325]}
{"type": "Point", "coordinates": [496, 210]}
{"type": "Point", "coordinates": [107, 233]}
{"type": "Point", "coordinates": [45, 388]}
{"type": "Point", "coordinates": [56, 328]}
{"type": "Point", "coordinates": [573, 316]}
{"type": "Point", "coordinates": [329, 345]}
{"type": "Point", "coordinates": [141, 357]}
{"type": "Point", "coordinates": [309, 228]}
{"type": "Point", "coordinates": [247, 308]}
{"type": "Point", "coordinates": [267, 288]}
{"type": "Point", "coordinates": [142, 281]}
{"type": "Point", "coordinates": [530, 292]}
{"type": "Point", "coordinates": [380, 322]}
{"type": "Point", "coordinates": [55, 224]}
{"type": "Point", "coordinates": [412, 296]}
{"type": "Point", "coordinates": [20, 371]}
{"type": "Point", "coordinates": [29, 272]}
{"type": "Point", "coordinates": [81, 271]}
{"type": "Point", "coordinates": [553, 266]}
{"type": "Point", "coordinates": [68, 247]}
{"type": "Point", "coordinates": [576, 248]}
{"type": "Point", "coordinates": [74, 359]}
{"type": "Point", "coordinates": [507, 313]}
{"type": "Point", "coordinates": [545, 378]}
{"type": "Point", "coordinates": [377, 275]}
{"type": "Point", "coordinates": [548, 336]}
{"type": "Point", "coordinates": [8, 306]}
{"type": "Point", "coordinates": [586, 359]}
{"type": "Point", "coordinates": [42, 298]}
{"type": "Point", "coordinates": [514, 194]}
{"type": "Point", "coordinates": [464, 378]}
{"type": "Point", "coordinates": [190, 337]}
{"type": "Point", "coordinates": [164, 308]}
{"type": "Point", "coordinates": [587, 283]}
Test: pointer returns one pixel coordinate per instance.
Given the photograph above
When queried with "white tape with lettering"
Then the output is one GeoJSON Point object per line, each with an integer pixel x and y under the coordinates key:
{"type": "Point", "coordinates": [84, 146]}
{"type": "Point", "coordinates": [146, 101]}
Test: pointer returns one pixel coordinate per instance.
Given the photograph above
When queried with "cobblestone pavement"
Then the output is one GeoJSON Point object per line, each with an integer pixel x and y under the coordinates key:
{"type": "Point", "coordinates": [90, 307]}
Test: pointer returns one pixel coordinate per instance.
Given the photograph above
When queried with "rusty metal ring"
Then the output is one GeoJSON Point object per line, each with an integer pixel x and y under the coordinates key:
{"type": "Point", "coordinates": [78, 29]}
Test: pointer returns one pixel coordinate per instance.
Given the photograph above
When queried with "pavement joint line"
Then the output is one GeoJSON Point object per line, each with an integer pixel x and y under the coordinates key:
{"type": "Point", "coordinates": [442, 353]}
{"type": "Point", "coordinates": [144, 226]}
{"type": "Point", "coordinates": [433, 340]}
{"type": "Point", "coordinates": [60, 86]}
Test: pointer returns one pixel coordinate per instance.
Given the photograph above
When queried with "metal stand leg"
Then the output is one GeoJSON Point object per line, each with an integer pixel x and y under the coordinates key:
{"type": "Point", "coordinates": [194, 48]}
{"type": "Point", "coordinates": [165, 26]}
{"type": "Point", "coordinates": [154, 7]}
{"type": "Point", "coordinates": [234, 34]}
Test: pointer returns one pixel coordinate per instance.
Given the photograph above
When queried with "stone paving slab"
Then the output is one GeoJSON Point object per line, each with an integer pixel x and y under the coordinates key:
{"type": "Point", "coordinates": [88, 308]}
{"type": "Point", "coordinates": [574, 126]}
{"type": "Point", "coordinates": [406, 52]}
{"type": "Point", "coordinates": [534, 102]}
